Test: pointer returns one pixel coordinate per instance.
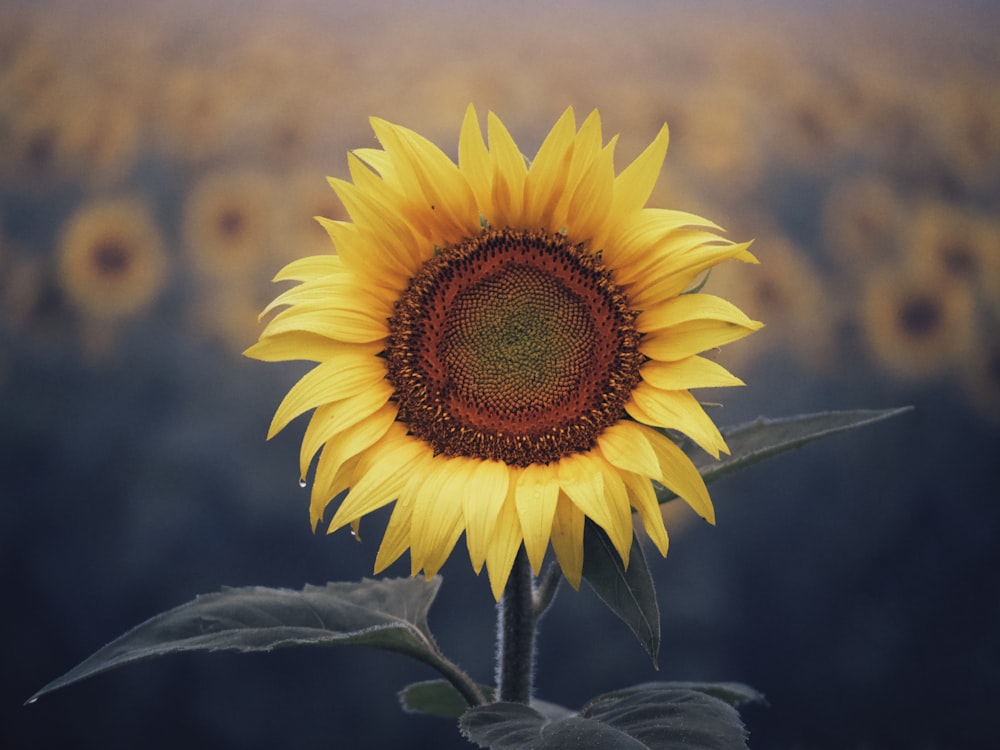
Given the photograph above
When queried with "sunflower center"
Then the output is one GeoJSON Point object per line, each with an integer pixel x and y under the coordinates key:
{"type": "Point", "coordinates": [111, 257]}
{"type": "Point", "coordinates": [920, 316]}
{"type": "Point", "coordinates": [513, 346]}
{"type": "Point", "coordinates": [516, 340]}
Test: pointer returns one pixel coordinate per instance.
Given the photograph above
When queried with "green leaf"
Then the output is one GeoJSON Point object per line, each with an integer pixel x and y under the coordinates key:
{"type": "Point", "coordinates": [660, 715]}
{"type": "Point", "coordinates": [629, 593]}
{"type": "Point", "coordinates": [763, 438]}
{"type": "Point", "coordinates": [440, 698]}
{"type": "Point", "coordinates": [503, 726]}
{"type": "Point", "coordinates": [733, 693]}
{"type": "Point", "coordinates": [389, 614]}
{"type": "Point", "coordinates": [437, 698]}
{"type": "Point", "coordinates": [653, 716]}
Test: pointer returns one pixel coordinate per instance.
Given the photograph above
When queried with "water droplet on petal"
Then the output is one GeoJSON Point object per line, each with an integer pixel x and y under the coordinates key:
{"type": "Point", "coordinates": [303, 483]}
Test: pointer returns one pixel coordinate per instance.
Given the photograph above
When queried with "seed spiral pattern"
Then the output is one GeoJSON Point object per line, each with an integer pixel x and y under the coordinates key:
{"type": "Point", "coordinates": [514, 346]}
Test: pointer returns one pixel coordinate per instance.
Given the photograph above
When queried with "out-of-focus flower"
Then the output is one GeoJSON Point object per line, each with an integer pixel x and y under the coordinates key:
{"type": "Point", "coordinates": [813, 116]}
{"type": "Point", "coordinates": [30, 154]}
{"type": "Point", "coordinates": [196, 113]}
{"type": "Point", "coordinates": [955, 244]}
{"type": "Point", "coordinates": [720, 140]}
{"type": "Point", "coordinates": [502, 348]}
{"type": "Point", "coordinates": [101, 137]}
{"type": "Point", "coordinates": [861, 224]}
{"type": "Point", "coordinates": [111, 259]}
{"type": "Point", "coordinates": [970, 112]}
{"type": "Point", "coordinates": [918, 325]}
{"type": "Point", "coordinates": [228, 221]}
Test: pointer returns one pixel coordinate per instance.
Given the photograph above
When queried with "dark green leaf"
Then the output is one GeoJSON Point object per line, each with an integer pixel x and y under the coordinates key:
{"type": "Point", "coordinates": [440, 698]}
{"type": "Point", "coordinates": [654, 716]}
{"type": "Point", "coordinates": [389, 614]}
{"type": "Point", "coordinates": [579, 733]}
{"type": "Point", "coordinates": [733, 693]}
{"type": "Point", "coordinates": [753, 442]}
{"type": "Point", "coordinates": [437, 698]}
{"type": "Point", "coordinates": [629, 593]}
{"type": "Point", "coordinates": [661, 716]}
{"type": "Point", "coordinates": [503, 726]}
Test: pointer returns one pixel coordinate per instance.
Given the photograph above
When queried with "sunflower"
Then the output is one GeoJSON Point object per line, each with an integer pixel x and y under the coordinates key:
{"type": "Point", "coordinates": [918, 324]}
{"type": "Point", "coordinates": [227, 223]}
{"type": "Point", "coordinates": [504, 349]}
{"type": "Point", "coordinates": [112, 262]}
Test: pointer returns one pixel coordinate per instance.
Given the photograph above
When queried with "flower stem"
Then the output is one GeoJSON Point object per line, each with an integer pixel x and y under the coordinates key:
{"type": "Point", "coordinates": [516, 634]}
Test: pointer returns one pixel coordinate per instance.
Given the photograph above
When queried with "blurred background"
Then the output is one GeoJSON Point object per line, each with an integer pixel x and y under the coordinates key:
{"type": "Point", "coordinates": [159, 163]}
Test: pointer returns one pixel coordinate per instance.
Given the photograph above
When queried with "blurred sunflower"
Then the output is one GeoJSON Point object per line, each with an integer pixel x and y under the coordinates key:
{"type": "Point", "coordinates": [918, 325]}
{"type": "Point", "coordinates": [956, 244]}
{"type": "Point", "coordinates": [111, 259]}
{"type": "Point", "coordinates": [861, 222]}
{"type": "Point", "coordinates": [503, 348]}
{"type": "Point", "coordinates": [227, 223]}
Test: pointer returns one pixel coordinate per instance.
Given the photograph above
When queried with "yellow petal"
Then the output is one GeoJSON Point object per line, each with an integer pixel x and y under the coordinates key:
{"type": "Point", "coordinates": [690, 324]}
{"type": "Point", "coordinates": [319, 293]}
{"type": "Point", "coordinates": [342, 323]}
{"type": "Point", "coordinates": [504, 547]}
{"type": "Point", "coordinates": [679, 475]}
{"type": "Point", "coordinates": [586, 147]}
{"type": "Point", "coordinates": [536, 496]}
{"type": "Point", "coordinates": [349, 443]}
{"type": "Point", "coordinates": [635, 183]}
{"type": "Point", "coordinates": [377, 207]}
{"type": "Point", "coordinates": [396, 539]}
{"type": "Point", "coordinates": [567, 539]}
{"type": "Point", "coordinates": [474, 161]}
{"type": "Point", "coordinates": [483, 498]}
{"type": "Point", "coordinates": [673, 274]}
{"type": "Point", "coordinates": [665, 257]}
{"type": "Point", "coordinates": [582, 480]}
{"type": "Point", "coordinates": [643, 499]}
{"type": "Point", "coordinates": [384, 471]}
{"type": "Point", "coordinates": [693, 372]}
{"type": "Point", "coordinates": [332, 380]}
{"type": "Point", "coordinates": [329, 479]}
{"type": "Point", "coordinates": [378, 160]}
{"type": "Point", "coordinates": [617, 497]}
{"type": "Point", "coordinates": [509, 173]}
{"type": "Point", "coordinates": [368, 407]}
{"type": "Point", "coordinates": [305, 346]}
{"type": "Point", "coordinates": [626, 447]}
{"type": "Point", "coordinates": [677, 410]}
{"type": "Point", "coordinates": [543, 186]}
{"type": "Point", "coordinates": [693, 337]}
{"type": "Point", "coordinates": [311, 267]}
{"type": "Point", "coordinates": [446, 201]}
{"type": "Point", "coordinates": [332, 477]}
{"type": "Point", "coordinates": [437, 520]}
{"type": "Point", "coordinates": [364, 257]}
{"type": "Point", "coordinates": [651, 229]}
{"type": "Point", "coordinates": [592, 199]}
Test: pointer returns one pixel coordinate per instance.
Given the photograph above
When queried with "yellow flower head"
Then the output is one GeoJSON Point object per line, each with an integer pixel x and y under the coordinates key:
{"type": "Point", "coordinates": [111, 259]}
{"type": "Point", "coordinates": [501, 347]}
